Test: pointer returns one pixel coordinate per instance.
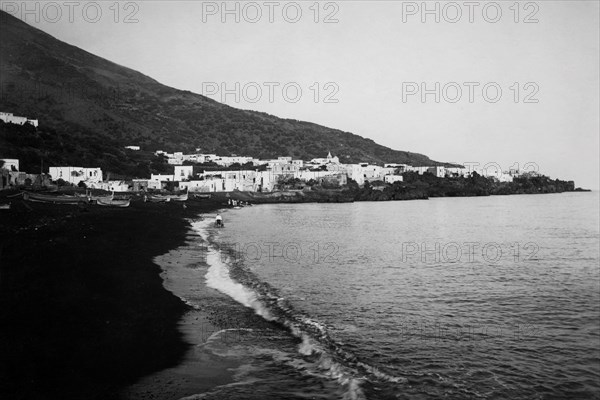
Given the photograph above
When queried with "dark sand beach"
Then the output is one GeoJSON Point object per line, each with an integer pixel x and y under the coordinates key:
{"type": "Point", "coordinates": [84, 310]}
{"type": "Point", "coordinates": [200, 370]}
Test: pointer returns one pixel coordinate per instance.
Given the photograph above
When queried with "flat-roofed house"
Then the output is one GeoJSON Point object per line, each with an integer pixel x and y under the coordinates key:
{"type": "Point", "coordinates": [75, 175]}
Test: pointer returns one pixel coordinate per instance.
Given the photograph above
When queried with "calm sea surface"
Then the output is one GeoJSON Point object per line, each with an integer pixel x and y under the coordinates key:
{"type": "Point", "coordinates": [491, 297]}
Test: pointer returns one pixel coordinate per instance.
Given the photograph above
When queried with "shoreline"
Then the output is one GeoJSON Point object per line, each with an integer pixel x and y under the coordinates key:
{"type": "Point", "coordinates": [88, 309]}
{"type": "Point", "coordinates": [199, 371]}
{"type": "Point", "coordinates": [389, 193]}
{"type": "Point", "coordinates": [85, 312]}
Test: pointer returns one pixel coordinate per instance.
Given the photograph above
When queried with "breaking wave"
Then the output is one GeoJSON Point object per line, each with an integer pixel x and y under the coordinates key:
{"type": "Point", "coordinates": [325, 356]}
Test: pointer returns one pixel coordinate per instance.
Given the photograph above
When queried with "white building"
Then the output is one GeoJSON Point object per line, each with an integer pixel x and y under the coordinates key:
{"type": "Point", "coordinates": [227, 161]}
{"type": "Point", "coordinates": [400, 167]}
{"type": "Point", "coordinates": [419, 170]}
{"type": "Point", "coordinates": [505, 177]}
{"type": "Point", "coordinates": [265, 181]}
{"type": "Point", "coordinates": [364, 172]}
{"type": "Point", "coordinates": [175, 158]}
{"type": "Point", "coordinates": [307, 175]}
{"type": "Point", "coordinates": [183, 173]}
{"type": "Point", "coordinates": [457, 172]}
{"type": "Point", "coordinates": [13, 119]}
{"type": "Point", "coordinates": [322, 176]}
{"type": "Point", "coordinates": [210, 185]}
{"type": "Point", "coordinates": [111, 186]}
{"type": "Point", "coordinates": [391, 179]}
{"type": "Point", "coordinates": [279, 168]}
{"type": "Point", "coordinates": [162, 178]}
{"type": "Point", "coordinates": [245, 180]}
{"type": "Point", "coordinates": [371, 172]}
{"type": "Point", "coordinates": [438, 171]}
{"type": "Point", "coordinates": [134, 148]}
{"type": "Point", "coordinates": [388, 171]}
{"type": "Point", "coordinates": [328, 160]}
{"type": "Point", "coordinates": [200, 158]}
{"type": "Point", "coordinates": [75, 175]}
{"type": "Point", "coordinates": [354, 172]}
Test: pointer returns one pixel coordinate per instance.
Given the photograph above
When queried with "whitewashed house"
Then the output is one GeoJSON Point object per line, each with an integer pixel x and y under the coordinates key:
{"type": "Point", "coordinates": [183, 173]}
{"type": "Point", "coordinates": [457, 172]}
{"type": "Point", "coordinates": [391, 179]}
{"type": "Point", "coordinates": [372, 172]}
{"type": "Point", "coordinates": [9, 118]}
{"type": "Point", "coordinates": [75, 175]}
{"type": "Point", "coordinates": [437, 171]}
{"type": "Point", "coordinates": [112, 186]}
{"type": "Point", "coordinates": [419, 170]}
{"type": "Point", "coordinates": [328, 160]}
{"type": "Point", "coordinates": [175, 158]}
{"type": "Point", "coordinates": [399, 167]}
{"type": "Point", "coordinates": [244, 180]}
{"type": "Point", "coordinates": [162, 178]}
{"type": "Point", "coordinates": [210, 185]}
{"type": "Point", "coordinates": [227, 161]}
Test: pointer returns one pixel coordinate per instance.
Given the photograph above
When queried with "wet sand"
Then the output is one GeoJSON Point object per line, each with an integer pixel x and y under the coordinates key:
{"type": "Point", "coordinates": [84, 311]}
{"type": "Point", "coordinates": [218, 328]}
{"type": "Point", "coordinates": [200, 370]}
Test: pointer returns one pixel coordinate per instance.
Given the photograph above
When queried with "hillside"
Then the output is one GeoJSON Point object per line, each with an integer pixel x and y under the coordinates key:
{"type": "Point", "coordinates": [90, 108]}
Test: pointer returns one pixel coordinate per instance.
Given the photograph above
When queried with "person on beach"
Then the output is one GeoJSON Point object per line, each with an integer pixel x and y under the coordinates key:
{"type": "Point", "coordinates": [219, 220]}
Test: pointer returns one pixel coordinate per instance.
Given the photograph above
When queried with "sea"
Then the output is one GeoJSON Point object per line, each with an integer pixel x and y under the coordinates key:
{"type": "Point", "coordinates": [457, 298]}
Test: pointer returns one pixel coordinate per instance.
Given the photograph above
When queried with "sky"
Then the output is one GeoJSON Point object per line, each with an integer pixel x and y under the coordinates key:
{"type": "Point", "coordinates": [507, 83]}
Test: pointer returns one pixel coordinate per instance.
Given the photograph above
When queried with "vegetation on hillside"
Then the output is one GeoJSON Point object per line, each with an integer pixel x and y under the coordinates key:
{"type": "Point", "coordinates": [424, 186]}
{"type": "Point", "coordinates": [45, 147]}
{"type": "Point", "coordinates": [98, 107]}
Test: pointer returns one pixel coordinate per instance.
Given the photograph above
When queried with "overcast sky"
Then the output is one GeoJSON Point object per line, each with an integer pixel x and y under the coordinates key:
{"type": "Point", "coordinates": [363, 65]}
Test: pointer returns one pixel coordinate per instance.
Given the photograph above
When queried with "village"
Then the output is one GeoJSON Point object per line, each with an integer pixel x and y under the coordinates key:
{"type": "Point", "coordinates": [208, 173]}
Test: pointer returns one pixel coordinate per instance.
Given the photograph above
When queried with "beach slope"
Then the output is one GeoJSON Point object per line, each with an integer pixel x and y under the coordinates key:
{"type": "Point", "coordinates": [84, 311]}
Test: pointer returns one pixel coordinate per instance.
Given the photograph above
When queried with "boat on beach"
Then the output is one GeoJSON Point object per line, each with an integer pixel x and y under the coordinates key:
{"type": "Point", "coordinates": [44, 198]}
{"type": "Point", "coordinates": [163, 198]}
{"type": "Point", "coordinates": [91, 197]}
{"type": "Point", "coordinates": [113, 202]}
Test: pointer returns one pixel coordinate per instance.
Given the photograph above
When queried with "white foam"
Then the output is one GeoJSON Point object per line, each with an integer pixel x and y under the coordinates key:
{"type": "Point", "coordinates": [329, 367]}
{"type": "Point", "coordinates": [201, 227]}
{"type": "Point", "coordinates": [217, 276]}
{"type": "Point", "coordinates": [382, 375]}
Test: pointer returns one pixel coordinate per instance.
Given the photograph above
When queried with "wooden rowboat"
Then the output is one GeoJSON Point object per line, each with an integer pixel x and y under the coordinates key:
{"type": "Point", "coordinates": [44, 198]}
{"type": "Point", "coordinates": [91, 197]}
{"type": "Point", "coordinates": [113, 203]}
{"type": "Point", "coordinates": [161, 198]}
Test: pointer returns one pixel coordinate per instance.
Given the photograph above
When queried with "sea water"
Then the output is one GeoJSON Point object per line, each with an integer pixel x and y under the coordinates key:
{"type": "Point", "coordinates": [486, 297]}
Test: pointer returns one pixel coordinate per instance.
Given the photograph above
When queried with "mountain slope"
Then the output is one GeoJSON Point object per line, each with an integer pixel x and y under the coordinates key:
{"type": "Point", "coordinates": [86, 99]}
